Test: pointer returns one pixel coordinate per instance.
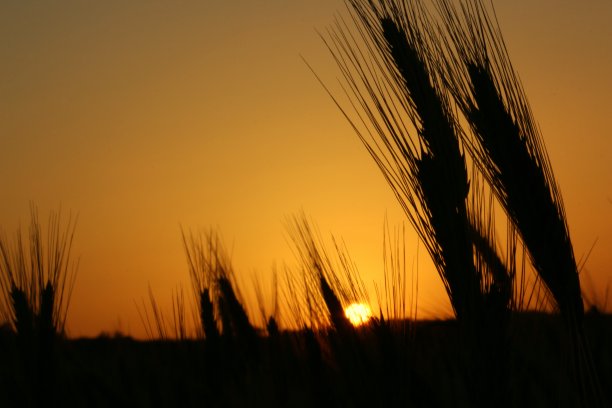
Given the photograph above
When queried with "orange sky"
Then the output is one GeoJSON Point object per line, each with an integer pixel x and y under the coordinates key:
{"type": "Point", "coordinates": [143, 116]}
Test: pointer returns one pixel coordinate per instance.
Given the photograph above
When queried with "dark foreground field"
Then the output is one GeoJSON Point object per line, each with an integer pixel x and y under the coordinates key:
{"type": "Point", "coordinates": [423, 364]}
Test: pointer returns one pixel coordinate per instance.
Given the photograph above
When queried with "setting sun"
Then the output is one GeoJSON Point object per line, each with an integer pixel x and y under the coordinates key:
{"type": "Point", "coordinates": [358, 313]}
{"type": "Point", "coordinates": [200, 200]}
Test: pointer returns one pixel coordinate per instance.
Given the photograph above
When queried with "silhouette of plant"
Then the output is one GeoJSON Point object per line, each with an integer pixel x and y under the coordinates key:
{"type": "Point", "coordinates": [404, 117]}
{"type": "Point", "coordinates": [406, 68]}
{"type": "Point", "coordinates": [37, 277]}
{"type": "Point", "coordinates": [507, 145]}
{"type": "Point", "coordinates": [36, 281]}
{"type": "Point", "coordinates": [213, 283]}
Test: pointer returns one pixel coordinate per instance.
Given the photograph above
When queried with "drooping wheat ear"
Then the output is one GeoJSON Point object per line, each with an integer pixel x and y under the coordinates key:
{"type": "Point", "coordinates": [406, 123]}
{"type": "Point", "coordinates": [508, 146]}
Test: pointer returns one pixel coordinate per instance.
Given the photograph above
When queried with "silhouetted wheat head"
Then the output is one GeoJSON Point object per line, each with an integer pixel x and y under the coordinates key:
{"type": "Point", "coordinates": [404, 117]}
{"type": "Point", "coordinates": [509, 148]}
{"type": "Point", "coordinates": [36, 281]}
{"type": "Point", "coordinates": [508, 145]}
{"type": "Point", "coordinates": [397, 63]}
{"type": "Point", "coordinates": [401, 68]}
{"type": "Point", "coordinates": [326, 295]}
{"type": "Point", "coordinates": [37, 277]}
{"type": "Point", "coordinates": [203, 260]}
{"type": "Point", "coordinates": [218, 299]}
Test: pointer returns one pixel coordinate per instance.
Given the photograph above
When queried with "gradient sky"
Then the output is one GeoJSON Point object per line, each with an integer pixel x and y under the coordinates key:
{"type": "Point", "coordinates": [142, 116]}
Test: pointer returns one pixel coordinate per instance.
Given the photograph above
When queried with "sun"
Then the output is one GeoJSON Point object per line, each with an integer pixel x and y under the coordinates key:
{"type": "Point", "coordinates": [358, 313]}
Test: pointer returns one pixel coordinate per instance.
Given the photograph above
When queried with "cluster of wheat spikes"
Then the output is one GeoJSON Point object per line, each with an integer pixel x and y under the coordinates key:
{"type": "Point", "coordinates": [215, 289]}
{"type": "Point", "coordinates": [36, 281]}
{"type": "Point", "coordinates": [408, 65]}
{"type": "Point", "coordinates": [37, 277]}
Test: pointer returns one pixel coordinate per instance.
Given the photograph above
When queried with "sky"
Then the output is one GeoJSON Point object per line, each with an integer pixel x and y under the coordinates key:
{"type": "Point", "coordinates": [143, 117]}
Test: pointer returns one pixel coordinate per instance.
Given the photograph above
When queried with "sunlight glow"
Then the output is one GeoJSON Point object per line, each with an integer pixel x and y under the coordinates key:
{"type": "Point", "coordinates": [358, 313]}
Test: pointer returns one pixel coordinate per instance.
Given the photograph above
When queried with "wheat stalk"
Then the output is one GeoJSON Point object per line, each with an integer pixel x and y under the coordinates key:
{"type": "Point", "coordinates": [404, 118]}
{"type": "Point", "coordinates": [509, 148]}
{"type": "Point", "coordinates": [37, 277]}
